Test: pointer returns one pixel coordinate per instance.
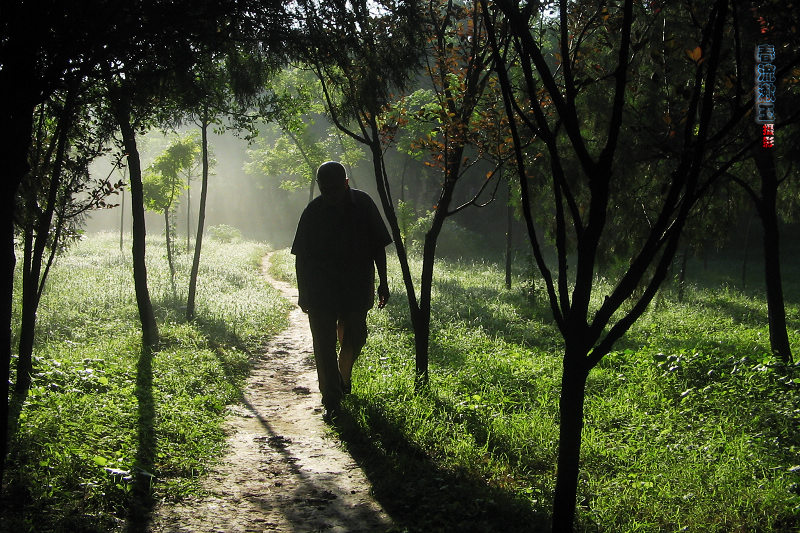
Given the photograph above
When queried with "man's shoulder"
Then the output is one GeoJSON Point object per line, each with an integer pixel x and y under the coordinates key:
{"type": "Point", "coordinates": [313, 206]}
{"type": "Point", "coordinates": [361, 197]}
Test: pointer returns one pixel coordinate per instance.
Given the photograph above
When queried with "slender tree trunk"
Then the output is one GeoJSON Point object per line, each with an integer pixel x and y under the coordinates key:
{"type": "Point", "coordinates": [308, 161]}
{"type": "Point", "coordinates": [509, 236]}
{"type": "Point", "coordinates": [36, 237]}
{"type": "Point", "coordinates": [169, 247]}
{"type": "Point", "coordinates": [201, 220]}
{"type": "Point", "coordinates": [188, 214]}
{"type": "Point", "coordinates": [311, 187]}
{"type": "Point", "coordinates": [573, 388]}
{"type": "Point", "coordinates": [428, 260]}
{"type": "Point", "coordinates": [418, 325]}
{"type": "Point", "coordinates": [682, 274]}
{"type": "Point", "coordinates": [16, 115]}
{"type": "Point", "coordinates": [28, 318]}
{"type": "Point", "coordinates": [9, 190]}
{"type": "Point", "coordinates": [422, 334]}
{"type": "Point", "coordinates": [122, 111]}
{"type": "Point", "coordinates": [778, 337]}
{"type": "Point", "coordinates": [122, 220]}
{"type": "Point", "coordinates": [746, 246]}
{"type": "Point", "coordinates": [422, 337]}
{"type": "Point", "coordinates": [122, 213]}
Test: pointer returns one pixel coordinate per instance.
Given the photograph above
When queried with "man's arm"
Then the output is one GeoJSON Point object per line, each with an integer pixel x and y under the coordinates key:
{"type": "Point", "coordinates": [301, 270]}
{"type": "Point", "coordinates": [383, 285]}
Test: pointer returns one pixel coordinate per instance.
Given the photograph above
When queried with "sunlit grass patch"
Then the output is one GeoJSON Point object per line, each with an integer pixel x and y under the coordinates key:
{"type": "Point", "coordinates": [282, 266]}
{"type": "Point", "coordinates": [73, 457]}
{"type": "Point", "coordinates": [690, 425]}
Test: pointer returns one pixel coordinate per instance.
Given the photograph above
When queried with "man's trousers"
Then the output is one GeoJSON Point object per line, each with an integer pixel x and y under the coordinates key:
{"type": "Point", "coordinates": [350, 328]}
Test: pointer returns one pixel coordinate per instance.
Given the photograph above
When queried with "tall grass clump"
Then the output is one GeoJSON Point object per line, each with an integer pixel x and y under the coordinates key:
{"type": "Point", "coordinates": [73, 454]}
{"type": "Point", "coordinates": [691, 425]}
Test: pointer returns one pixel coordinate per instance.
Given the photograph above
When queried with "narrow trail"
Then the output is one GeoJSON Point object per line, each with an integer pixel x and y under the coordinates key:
{"type": "Point", "coordinates": [284, 469]}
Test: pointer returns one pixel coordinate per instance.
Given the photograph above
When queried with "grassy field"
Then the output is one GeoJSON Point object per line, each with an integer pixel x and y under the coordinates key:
{"type": "Point", "coordinates": [690, 425]}
{"type": "Point", "coordinates": [82, 431]}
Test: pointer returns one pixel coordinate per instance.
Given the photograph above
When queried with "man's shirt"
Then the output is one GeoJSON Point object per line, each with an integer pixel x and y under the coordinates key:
{"type": "Point", "coordinates": [336, 248]}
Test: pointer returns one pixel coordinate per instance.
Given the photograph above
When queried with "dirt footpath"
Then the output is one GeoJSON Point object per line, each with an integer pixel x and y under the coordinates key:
{"type": "Point", "coordinates": [284, 470]}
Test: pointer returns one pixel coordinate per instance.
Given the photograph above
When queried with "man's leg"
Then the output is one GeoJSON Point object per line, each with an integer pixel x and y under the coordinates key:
{"type": "Point", "coordinates": [323, 332]}
{"type": "Point", "coordinates": [352, 332]}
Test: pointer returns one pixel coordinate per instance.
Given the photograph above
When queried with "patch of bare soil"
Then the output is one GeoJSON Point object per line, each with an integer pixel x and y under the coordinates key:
{"type": "Point", "coordinates": [285, 469]}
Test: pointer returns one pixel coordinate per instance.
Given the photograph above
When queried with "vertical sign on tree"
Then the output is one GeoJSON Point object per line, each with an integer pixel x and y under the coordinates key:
{"type": "Point", "coordinates": [765, 93]}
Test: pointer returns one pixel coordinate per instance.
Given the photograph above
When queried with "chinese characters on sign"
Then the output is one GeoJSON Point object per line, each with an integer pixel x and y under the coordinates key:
{"type": "Point", "coordinates": [765, 93]}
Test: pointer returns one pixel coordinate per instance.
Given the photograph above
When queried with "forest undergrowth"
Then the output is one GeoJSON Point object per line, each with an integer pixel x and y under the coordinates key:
{"type": "Point", "coordinates": [76, 449]}
{"type": "Point", "coordinates": [691, 424]}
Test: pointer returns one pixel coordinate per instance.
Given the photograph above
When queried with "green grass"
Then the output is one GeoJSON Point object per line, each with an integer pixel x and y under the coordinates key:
{"type": "Point", "coordinates": [689, 425]}
{"type": "Point", "coordinates": [78, 446]}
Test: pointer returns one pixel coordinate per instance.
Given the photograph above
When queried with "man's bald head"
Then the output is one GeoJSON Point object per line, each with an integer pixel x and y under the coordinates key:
{"type": "Point", "coordinates": [332, 181]}
{"type": "Point", "coordinates": [331, 172]}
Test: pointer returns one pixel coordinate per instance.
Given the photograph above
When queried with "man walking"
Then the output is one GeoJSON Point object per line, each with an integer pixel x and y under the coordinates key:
{"type": "Point", "coordinates": [340, 240]}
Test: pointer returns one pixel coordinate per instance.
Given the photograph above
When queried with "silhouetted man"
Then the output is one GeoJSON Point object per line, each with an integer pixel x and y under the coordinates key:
{"type": "Point", "coordinates": [340, 240]}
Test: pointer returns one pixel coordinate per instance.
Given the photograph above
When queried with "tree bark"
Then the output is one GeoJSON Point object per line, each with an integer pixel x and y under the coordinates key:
{"type": "Point", "coordinates": [778, 337]}
{"type": "Point", "coordinates": [7, 264]}
{"type": "Point", "coordinates": [573, 387]}
{"type": "Point", "coordinates": [509, 236]}
{"type": "Point", "coordinates": [420, 327]}
{"type": "Point", "coordinates": [16, 116]}
{"type": "Point", "coordinates": [188, 214]}
{"type": "Point", "coordinates": [201, 221]}
{"type": "Point", "coordinates": [36, 235]}
{"type": "Point", "coordinates": [121, 107]}
{"type": "Point", "coordinates": [122, 220]}
{"type": "Point", "coordinates": [428, 260]}
{"type": "Point", "coordinates": [28, 318]}
{"type": "Point", "coordinates": [682, 274]}
{"type": "Point", "coordinates": [746, 246]}
{"type": "Point", "coordinates": [168, 238]}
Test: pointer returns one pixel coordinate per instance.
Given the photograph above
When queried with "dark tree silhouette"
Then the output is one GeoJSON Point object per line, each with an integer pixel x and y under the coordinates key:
{"type": "Point", "coordinates": [586, 153]}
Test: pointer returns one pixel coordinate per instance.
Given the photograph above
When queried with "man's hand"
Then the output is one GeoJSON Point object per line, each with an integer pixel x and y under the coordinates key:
{"type": "Point", "coordinates": [383, 295]}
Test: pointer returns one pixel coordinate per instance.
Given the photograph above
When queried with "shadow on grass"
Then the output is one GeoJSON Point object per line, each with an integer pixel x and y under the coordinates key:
{"type": "Point", "coordinates": [420, 495]}
{"type": "Point", "coordinates": [142, 501]}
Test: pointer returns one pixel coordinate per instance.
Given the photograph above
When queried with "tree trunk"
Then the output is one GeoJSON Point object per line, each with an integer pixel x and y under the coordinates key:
{"type": "Point", "coordinates": [682, 274]}
{"type": "Point", "coordinates": [9, 260]}
{"type": "Point", "coordinates": [122, 220]}
{"type": "Point", "coordinates": [746, 246]}
{"type": "Point", "coordinates": [311, 188]}
{"type": "Point", "coordinates": [307, 159]}
{"type": "Point", "coordinates": [509, 236]}
{"type": "Point", "coordinates": [778, 337]}
{"type": "Point", "coordinates": [422, 335]}
{"type": "Point", "coordinates": [28, 318]}
{"type": "Point", "coordinates": [122, 111]}
{"type": "Point", "coordinates": [201, 221]}
{"type": "Point", "coordinates": [428, 260]}
{"type": "Point", "coordinates": [17, 119]}
{"type": "Point", "coordinates": [421, 329]}
{"type": "Point", "coordinates": [168, 238]}
{"type": "Point", "coordinates": [573, 387]}
{"type": "Point", "coordinates": [188, 214]}
{"type": "Point", "coordinates": [37, 232]}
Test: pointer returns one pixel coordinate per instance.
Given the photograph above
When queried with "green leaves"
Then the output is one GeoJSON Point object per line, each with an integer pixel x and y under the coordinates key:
{"type": "Point", "coordinates": [170, 173]}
